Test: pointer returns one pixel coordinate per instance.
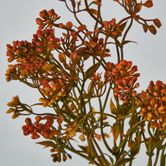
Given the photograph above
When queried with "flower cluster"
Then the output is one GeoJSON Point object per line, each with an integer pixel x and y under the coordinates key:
{"type": "Point", "coordinates": [53, 91]}
{"type": "Point", "coordinates": [37, 128]}
{"type": "Point", "coordinates": [28, 66]}
{"type": "Point", "coordinates": [96, 47]}
{"type": "Point", "coordinates": [31, 57]}
{"type": "Point", "coordinates": [14, 104]}
{"type": "Point", "coordinates": [59, 156]}
{"type": "Point", "coordinates": [124, 76]}
{"type": "Point", "coordinates": [45, 41]}
{"type": "Point", "coordinates": [97, 85]}
{"type": "Point", "coordinates": [154, 104]}
{"type": "Point", "coordinates": [11, 73]}
{"type": "Point", "coordinates": [28, 62]}
{"type": "Point", "coordinates": [47, 18]}
{"type": "Point", "coordinates": [58, 67]}
{"type": "Point", "coordinates": [112, 28]}
{"type": "Point", "coordinates": [18, 49]}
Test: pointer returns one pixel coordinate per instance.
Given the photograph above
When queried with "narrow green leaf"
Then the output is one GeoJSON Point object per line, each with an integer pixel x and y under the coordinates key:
{"type": "Point", "coordinates": [93, 11]}
{"type": "Point", "coordinates": [91, 70]}
{"type": "Point", "coordinates": [47, 144]}
{"type": "Point", "coordinates": [123, 161]}
{"type": "Point", "coordinates": [122, 26]}
{"type": "Point", "coordinates": [128, 41]}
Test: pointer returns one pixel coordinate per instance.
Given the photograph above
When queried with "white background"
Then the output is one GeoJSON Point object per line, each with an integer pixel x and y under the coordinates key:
{"type": "Point", "coordinates": [17, 22]}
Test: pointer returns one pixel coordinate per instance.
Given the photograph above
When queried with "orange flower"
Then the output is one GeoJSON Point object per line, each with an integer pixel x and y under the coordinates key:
{"type": "Point", "coordinates": [123, 75]}
{"type": "Point", "coordinates": [36, 129]}
{"type": "Point", "coordinates": [154, 104]}
{"type": "Point", "coordinates": [47, 18]}
{"type": "Point", "coordinates": [15, 102]}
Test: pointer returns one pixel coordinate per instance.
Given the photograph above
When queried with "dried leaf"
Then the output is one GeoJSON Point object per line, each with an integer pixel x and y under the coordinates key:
{"type": "Point", "coordinates": [116, 131]}
{"type": "Point", "coordinates": [113, 108]}
{"type": "Point", "coordinates": [10, 110]}
{"type": "Point", "coordinates": [15, 115]}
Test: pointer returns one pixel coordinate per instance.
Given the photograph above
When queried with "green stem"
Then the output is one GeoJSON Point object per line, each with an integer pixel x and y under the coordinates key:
{"type": "Point", "coordinates": [72, 149]}
{"type": "Point", "coordinates": [157, 156]}
{"type": "Point", "coordinates": [88, 10]}
{"type": "Point", "coordinates": [94, 150]}
{"type": "Point", "coordinates": [163, 156]}
{"type": "Point", "coordinates": [99, 149]}
{"type": "Point", "coordinates": [131, 161]}
{"type": "Point", "coordinates": [124, 37]}
{"type": "Point", "coordinates": [96, 24]}
{"type": "Point", "coordinates": [117, 50]}
{"type": "Point", "coordinates": [112, 116]}
{"type": "Point", "coordinates": [106, 99]}
{"type": "Point", "coordinates": [101, 127]}
{"type": "Point", "coordinates": [80, 154]}
{"type": "Point", "coordinates": [149, 160]}
{"type": "Point", "coordinates": [81, 98]}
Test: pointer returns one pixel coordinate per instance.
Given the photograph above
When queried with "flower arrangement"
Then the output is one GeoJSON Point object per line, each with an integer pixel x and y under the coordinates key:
{"type": "Point", "coordinates": [94, 102]}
